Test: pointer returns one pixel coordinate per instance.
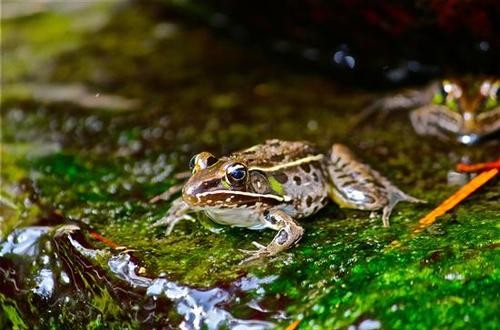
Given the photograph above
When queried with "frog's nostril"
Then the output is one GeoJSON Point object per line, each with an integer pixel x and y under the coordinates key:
{"type": "Point", "coordinates": [189, 190]}
{"type": "Point", "coordinates": [189, 194]}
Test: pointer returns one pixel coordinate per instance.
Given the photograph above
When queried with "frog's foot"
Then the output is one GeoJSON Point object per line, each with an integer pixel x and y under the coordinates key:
{"type": "Point", "coordinates": [404, 100]}
{"type": "Point", "coordinates": [261, 252]}
{"type": "Point", "coordinates": [170, 222]}
{"type": "Point", "coordinates": [395, 197]}
{"type": "Point", "coordinates": [289, 233]}
{"type": "Point", "coordinates": [177, 212]}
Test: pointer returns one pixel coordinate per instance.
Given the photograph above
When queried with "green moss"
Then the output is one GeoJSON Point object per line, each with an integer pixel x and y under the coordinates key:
{"type": "Point", "coordinates": [10, 317]}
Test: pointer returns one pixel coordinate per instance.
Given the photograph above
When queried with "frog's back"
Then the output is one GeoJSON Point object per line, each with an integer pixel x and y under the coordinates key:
{"type": "Point", "coordinates": [275, 152]}
{"type": "Point", "coordinates": [293, 170]}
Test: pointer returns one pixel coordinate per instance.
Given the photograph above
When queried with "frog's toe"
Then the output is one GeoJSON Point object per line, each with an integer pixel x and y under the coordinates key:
{"type": "Point", "coordinates": [258, 245]}
{"type": "Point", "coordinates": [170, 222]}
{"type": "Point", "coordinates": [255, 254]}
{"type": "Point", "coordinates": [261, 252]}
{"type": "Point", "coordinates": [162, 222]}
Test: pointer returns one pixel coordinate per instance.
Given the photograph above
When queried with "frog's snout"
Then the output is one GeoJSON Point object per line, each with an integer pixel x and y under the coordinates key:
{"type": "Point", "coordinates": [189, 193]}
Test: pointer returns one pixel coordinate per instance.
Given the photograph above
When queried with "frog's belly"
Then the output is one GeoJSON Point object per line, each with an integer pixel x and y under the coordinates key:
{"type": "Point", "coordinates": [236, 217]}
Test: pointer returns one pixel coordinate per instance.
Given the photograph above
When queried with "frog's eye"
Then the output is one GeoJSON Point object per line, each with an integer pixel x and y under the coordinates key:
{"type": "Point", "coordinates": [210, 160]}
{"type": "Point", "coordinates": [492, 95]}
{"type": "Point", "coordinates": [201, 161]}
{"type": "Point", "coordinates": [441, 95]}
{"type": "Point", "coordinates": [236, 173]}
{"type": "Point", "coordinates": [448, 95]}
{"type": "Point", "coordinates": [491, 102]}
{"type": "Point", "coordinates": [192, 162]}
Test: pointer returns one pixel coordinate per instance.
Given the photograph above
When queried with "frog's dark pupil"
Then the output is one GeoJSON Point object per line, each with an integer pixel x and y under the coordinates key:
{"type": "Point", "coordinates": [237, 172]}
{"type": "Point", "coordinates": [211, 160]}
{"type": "Point", "coordinates": [192, 162]}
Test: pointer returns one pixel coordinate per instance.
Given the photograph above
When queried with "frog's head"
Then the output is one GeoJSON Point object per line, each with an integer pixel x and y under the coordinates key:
{"type": "Point", "coordinates": [213, 180]}
{"type": "Point", "coordinates": [470, 108]}
{"type": "Point", "coordinates": [226, 182]}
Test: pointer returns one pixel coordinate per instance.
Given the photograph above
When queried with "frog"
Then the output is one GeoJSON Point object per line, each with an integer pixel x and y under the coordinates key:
{"type": "Point", "coordinates": [465, 109]}
{"type": "Point", "coordinates": [275, 184]}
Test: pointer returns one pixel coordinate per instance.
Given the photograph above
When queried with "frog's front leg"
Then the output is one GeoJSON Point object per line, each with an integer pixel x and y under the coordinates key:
{"type": "Point", "coordinates": [176, 188]}
{"type": "Point", "coordinates": [430, 120]}
{"type": "Point", "coordinates": [177, 212]}
{"type": "Point", "coordinates": [289, 233]}
{"type": "Point", "coordinates": [408, 99]}
{"type": "Point", "coordinates": [166, 195]}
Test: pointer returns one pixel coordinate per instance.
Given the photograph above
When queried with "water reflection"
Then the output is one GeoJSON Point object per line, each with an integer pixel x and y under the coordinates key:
{"type": "Point", "coordinates": [64, 265]}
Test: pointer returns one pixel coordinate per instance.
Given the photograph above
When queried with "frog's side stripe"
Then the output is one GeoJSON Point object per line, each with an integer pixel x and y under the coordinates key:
{"type": "Point", "coordinates": [244, 193]}
{"type": "Point", "coordinates": [289, 164]}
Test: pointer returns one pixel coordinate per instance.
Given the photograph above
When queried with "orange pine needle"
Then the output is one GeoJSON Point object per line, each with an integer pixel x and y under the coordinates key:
{"type": "Point", "coordinates": [456, 198]}
{"type": "Point", "coordinates": [478, 167]}
{"type": "Point", "coordinates": [293, 325]}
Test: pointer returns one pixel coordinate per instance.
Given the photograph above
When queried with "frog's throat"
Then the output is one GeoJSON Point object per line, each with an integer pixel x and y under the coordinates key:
{"type": "Point", "coordinates": [297, 162]}
{"type": "Point", "coordinates": [284, 198]}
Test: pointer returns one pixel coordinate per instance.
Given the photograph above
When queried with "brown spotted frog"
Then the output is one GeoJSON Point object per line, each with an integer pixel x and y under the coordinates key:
{"type": "Point", "coordinates": [272, 185]}
{"type": "Point", "coordinates": [465, 109]}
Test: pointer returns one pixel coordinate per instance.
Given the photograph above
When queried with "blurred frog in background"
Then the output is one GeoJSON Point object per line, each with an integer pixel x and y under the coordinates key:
{"type": "Point", "coordinates": [464, 109]}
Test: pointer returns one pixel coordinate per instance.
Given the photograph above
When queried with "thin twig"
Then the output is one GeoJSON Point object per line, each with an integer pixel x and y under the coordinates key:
{"type": "Point", "coordinates": [478, 167]}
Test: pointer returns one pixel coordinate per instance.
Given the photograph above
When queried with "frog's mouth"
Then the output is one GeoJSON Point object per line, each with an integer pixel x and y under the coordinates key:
{"type": "Point", "coordinates": [470, 139]}
{"type": "Point", "coordinates": [231, 199]}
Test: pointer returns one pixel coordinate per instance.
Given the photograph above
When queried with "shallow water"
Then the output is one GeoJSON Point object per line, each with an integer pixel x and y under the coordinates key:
{"type": "Point", "coordinates": [103, 104]}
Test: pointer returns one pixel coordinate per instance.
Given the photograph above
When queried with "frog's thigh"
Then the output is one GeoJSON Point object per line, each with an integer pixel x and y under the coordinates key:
{"type": "Point", "coordinates": [352, 182]}
{"type": "Point", "coordinates": [360, 198]}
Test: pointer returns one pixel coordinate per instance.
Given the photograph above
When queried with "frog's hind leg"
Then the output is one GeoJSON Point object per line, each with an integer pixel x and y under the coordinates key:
{"type": "Point", "coordinates": [355, 185]}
